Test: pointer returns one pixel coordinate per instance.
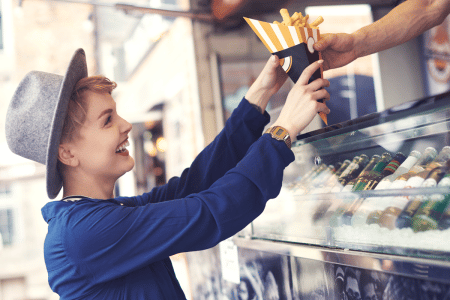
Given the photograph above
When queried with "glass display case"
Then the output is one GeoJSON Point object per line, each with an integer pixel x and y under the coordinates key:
{"type": "Point", "coordinates": [378, 184]}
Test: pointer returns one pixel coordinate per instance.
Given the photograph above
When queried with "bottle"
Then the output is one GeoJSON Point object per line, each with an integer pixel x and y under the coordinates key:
{"type": "Point", "coordinates": [336, 218]}
{"type": "Point", "coordinates": [430, 214]}
{"type": "Point", "coordinates": [330, 182]}
{"type": "Point", "coordinates": [324, 205]}
{"type": "Point", "coordinates": [399, 183]}
{"type": "Point", "coordinates": [444, 222]}
{"type": "Point", "coordinates": [346, 203]}
{"type": "Point", "coordinates": [301, 187]}
{"type": "Point", "coordinates": [428, 156]}
{"type": "Point", "coordinates": [388, 171]}
{"type": "Point", "coordinates": [337, 187]}
{"type": "Point", "coordinates": [322, 177]}
{"type": "Point", "coordinates": [376, 171]}
{"type": "Point", "coordinates": [402, 169]}
{"type": "Point", "coordinates": [439, 161]}
{"type": "Point", "coordinates": [353, 172]}
{"type": "Point", "coordinates": [371, 205]}
{"type": "Point", "coordinates": [372, 179]}
{"type": "Point", "coordinates": [421, 204]}
{"type": "Point", "coordinates": [391, 213]}
{"type": "Point", "coordinates": [373, 161]}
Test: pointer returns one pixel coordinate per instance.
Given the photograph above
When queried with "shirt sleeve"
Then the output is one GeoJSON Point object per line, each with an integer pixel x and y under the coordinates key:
{"type": "Point", "coordinates": [109, 240]}
{"type": "Point", "coordinates": [241, 130]}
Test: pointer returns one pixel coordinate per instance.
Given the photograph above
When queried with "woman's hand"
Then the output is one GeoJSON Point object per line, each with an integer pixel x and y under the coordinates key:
{"type": "Point", "coordinates": [269, 81]}
{"type": "Point", "coordinates": [301, 104]}
{"type": "Point", "coordinates": [337, 49]}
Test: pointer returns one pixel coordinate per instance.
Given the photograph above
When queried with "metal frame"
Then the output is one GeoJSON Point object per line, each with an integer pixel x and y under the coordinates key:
{"type": "Point", "coordinates": [423, 268]}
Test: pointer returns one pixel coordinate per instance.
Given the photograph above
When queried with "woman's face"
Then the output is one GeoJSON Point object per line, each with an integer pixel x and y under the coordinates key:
{"type": "Point", "coordinates": [100, 139]}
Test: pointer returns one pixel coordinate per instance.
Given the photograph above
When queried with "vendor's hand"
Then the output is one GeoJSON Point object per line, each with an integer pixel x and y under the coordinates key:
{"type": "Point", "coordinates": [337, 49]}
{"type": "Point", "coordinates": [301, 104]}
{"type": "Point", "coordinates": [269, 81]}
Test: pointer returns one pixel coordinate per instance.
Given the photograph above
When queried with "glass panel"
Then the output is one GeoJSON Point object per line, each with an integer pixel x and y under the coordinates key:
{"type": "Point", "coordinates": [317, 207]}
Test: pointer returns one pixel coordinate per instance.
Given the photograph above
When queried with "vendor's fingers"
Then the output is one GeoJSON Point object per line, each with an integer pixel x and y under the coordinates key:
{"type": "Point", "coordinates": [325, 40]}
{"type": "Point", "coordinates": [318, 84]}
{"type": "Point", "coordinates": [322, 107]}
{"type": "Point", "coordinates": [308, 72]}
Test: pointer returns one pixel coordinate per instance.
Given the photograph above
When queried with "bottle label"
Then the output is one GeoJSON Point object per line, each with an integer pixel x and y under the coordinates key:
{"type": "Point", "coordinates": [425, 209]}
{"type": "Point", "coordinates": [430, 182]}
{"type": "Point", "coordinates": [397, 184]}
{"type": "Point", "coordinates": [384, 184]}
{"type": "Point", "coordinates": [414, 182]}
{"type": "Point", "coordinates": [412, 207]}
{"type": "Point", "coordinates": [444, 181]}
{"type": "Point", "coordinates": [360, 186]}
{"type": "Point", "coordinates": [392, 166]}
{"type": "Point", "coordinates": [440, 206]}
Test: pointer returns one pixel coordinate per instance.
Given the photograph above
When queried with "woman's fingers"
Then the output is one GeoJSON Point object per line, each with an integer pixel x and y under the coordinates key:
{"type": "Point", "coordinates": [318, 84]}
{"type": "Point", "coordinates": [320, 95]}
{"type": "Point", "coordinates": [308, 72]}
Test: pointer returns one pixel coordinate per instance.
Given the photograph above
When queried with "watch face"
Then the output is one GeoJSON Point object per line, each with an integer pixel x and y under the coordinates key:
{"type": "Point", "coordinates": [279, 131]}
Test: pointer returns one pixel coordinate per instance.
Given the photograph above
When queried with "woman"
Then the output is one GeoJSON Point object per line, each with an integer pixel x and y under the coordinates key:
{"type": "Point", "coordinates": [103, 247]}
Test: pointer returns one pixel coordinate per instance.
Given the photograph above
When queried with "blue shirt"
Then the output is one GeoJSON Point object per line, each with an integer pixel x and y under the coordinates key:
{"type": "Point", "coordinates": [119, 248]}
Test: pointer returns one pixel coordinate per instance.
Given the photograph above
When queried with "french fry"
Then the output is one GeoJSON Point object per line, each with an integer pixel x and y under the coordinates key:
{"type": "Point", "coordinates": [305, 21]}
{"type": "Point", "coordinates": [317, 22]}
{"type": "Point", "coordinates": [286, 17]}
{"type": "Point", "coordinates": [295, 17]}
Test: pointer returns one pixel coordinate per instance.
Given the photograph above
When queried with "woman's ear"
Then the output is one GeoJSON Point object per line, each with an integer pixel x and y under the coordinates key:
{"type": "Point", "coordinates": [66, 156]}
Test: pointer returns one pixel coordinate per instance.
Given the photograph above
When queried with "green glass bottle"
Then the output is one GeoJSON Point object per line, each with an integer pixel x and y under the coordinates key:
{"type": "Point", "coordinates": [371, 206]}
{"type": "Point", "coordinates": [355, 171]}
{"type": "Point", "coordinates": [389, 169]}
{"type": "Point", "coordinates": [389, 216]}
{"type": "Point", "coordinates": [422, 204]}
{"type": "Point", "coordinates": [375, 172]}
{"type": "Point", "coordinates": [394, 205]}
{"type": "Point", "coordinates": [333, 180]}
{"type": "Point", "coordinates": [370, 165]}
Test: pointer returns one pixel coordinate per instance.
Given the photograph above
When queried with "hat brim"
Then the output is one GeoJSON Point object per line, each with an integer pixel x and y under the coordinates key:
{"type": "Point", "coordinates": [76, 70]}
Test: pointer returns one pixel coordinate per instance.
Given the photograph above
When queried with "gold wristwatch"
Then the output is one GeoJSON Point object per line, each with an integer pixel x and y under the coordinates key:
{"type": "Point", "coordinates": [280, 134]}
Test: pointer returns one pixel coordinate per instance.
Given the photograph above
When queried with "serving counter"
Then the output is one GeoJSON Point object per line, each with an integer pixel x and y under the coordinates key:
{"type": "Point", "coordinates": [354, 235]}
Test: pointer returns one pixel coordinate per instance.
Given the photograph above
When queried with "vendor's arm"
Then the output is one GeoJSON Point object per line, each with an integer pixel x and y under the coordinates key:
{"type": "Point", "coordinates": [241, 130]}
{"type": "Point", "coordinates": [406, 21]}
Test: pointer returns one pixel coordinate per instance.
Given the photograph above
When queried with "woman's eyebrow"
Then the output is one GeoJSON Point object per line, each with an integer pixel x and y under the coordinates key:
{"type": "Point", "coordinates": [106, 111]}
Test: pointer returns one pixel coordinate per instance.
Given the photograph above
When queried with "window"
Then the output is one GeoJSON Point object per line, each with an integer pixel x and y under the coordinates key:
{"type": "Point", "coordinates": [1, 27]}
{"type": "Point", "coordinates": [6, 226]}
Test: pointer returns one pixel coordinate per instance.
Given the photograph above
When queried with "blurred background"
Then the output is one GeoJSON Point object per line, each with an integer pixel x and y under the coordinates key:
{"type": "Point", "coordinates": [181, 66]}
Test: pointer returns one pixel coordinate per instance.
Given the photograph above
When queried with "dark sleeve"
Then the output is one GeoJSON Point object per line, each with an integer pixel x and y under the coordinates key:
{"type": "Point", "coordinates": [110, 240]}
{"type": "Point", "coordinates": [241, 130]}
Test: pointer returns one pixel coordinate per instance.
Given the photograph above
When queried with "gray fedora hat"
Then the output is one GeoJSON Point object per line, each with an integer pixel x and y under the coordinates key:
{"type": "Point", "coordinates": [36, 114]}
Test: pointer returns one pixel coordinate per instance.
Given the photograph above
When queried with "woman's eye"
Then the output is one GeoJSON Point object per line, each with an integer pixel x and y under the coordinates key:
{"type": "Point", "coordinates": [108, 120]}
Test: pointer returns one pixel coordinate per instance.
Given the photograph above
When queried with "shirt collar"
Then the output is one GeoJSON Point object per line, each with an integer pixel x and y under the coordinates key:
{"type": "Point", "coordinates": [73, 198]}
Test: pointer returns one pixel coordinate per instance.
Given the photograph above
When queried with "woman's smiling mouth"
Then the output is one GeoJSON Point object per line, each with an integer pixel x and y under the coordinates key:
{"type": "Point", "coordinates": [122, 147]}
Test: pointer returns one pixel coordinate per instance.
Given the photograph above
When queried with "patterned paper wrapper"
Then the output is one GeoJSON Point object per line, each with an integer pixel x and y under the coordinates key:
{"type": "Point", "coordinates": [293, 45]}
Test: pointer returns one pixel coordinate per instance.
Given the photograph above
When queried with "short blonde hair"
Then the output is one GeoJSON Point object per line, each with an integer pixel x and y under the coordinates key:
{"type": "Point", "coordinates": [76, 112]}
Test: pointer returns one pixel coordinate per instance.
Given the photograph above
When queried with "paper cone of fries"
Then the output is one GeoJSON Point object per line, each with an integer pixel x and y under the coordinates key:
{"type": "Point", "coordinates": [293, 45]}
